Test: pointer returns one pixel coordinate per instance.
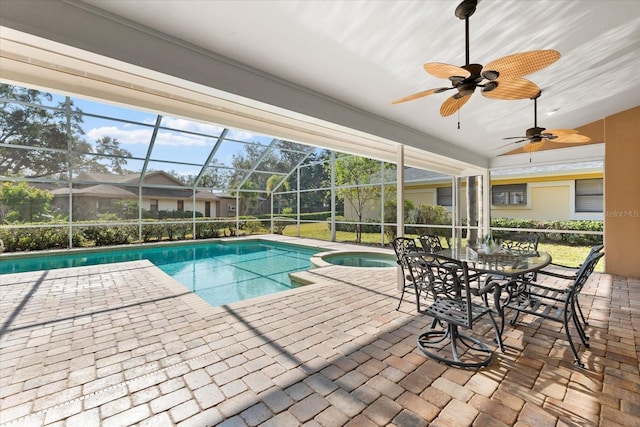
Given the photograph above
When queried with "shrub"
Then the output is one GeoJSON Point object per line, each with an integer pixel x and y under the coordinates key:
{"type": "Point", "coordinates": [43, 238]}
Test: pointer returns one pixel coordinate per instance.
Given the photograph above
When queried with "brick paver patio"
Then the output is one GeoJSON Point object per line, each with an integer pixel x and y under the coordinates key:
{"type": "Point", "coordinates": [124, 344]}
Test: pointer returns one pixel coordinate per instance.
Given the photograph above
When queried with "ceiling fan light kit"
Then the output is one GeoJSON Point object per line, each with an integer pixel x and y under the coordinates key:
{"type": "Point", "coordinates": [500, 79]}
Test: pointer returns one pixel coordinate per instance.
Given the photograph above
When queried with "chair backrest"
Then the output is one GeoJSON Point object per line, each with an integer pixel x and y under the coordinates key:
{"type": "Point", "coordinates": [585, 271]}
{"type": "Point", "coordinates": [402, 246]}
{"type": "Point", "coordinates": [430, 243]}
{"type": "Point", "coordinates": [442, 278]}
{"type": "Point", "coordinates": [523, 243]}
{"type": "Point", "coordinates": [595, 249]}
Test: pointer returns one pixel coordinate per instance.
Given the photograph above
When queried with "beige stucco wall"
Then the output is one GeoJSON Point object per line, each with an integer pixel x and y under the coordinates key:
{"type": "Point", "coordinates": [622, 193]}
{"type": "Point", "coordinates": [549, 202]}
{"type": "Point", "coordinates": [425, 196]}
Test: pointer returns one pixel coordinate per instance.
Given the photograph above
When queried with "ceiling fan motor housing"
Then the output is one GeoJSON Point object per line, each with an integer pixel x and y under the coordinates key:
{"type": "Point", "coordinates": [535, 132]}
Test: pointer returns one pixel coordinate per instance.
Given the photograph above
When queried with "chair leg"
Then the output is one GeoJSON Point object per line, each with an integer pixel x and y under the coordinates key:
{"type": "Point", "coordinates": [571, 344]}
{"type": "Point", "coordinates": [401, 296]}
{"type": "Point", "coordinates": [497, 331]}
{"type": "Point", "coordinates": [584, 320]}
{"type": "Point", "coordinates": [583, 336]}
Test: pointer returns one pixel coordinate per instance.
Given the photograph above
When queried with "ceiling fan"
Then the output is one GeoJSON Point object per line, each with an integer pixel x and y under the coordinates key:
{"type": "Point", "coordinates": [537, 136]}
{"type": "Point", "coordinates": [499, 79]}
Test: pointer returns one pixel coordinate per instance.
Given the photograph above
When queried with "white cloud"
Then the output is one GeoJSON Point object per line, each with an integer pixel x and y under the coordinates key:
{"type": "Point", "coordinates": [129, 135]}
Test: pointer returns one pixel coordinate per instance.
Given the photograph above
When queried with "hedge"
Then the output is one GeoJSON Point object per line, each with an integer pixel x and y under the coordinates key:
{"type": "Point", "coordinates": [86, 234]}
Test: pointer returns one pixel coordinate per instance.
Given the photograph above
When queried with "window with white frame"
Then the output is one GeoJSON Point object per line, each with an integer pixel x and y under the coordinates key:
{"type": "Point", "coordinates": [445, 196]}
{"type": "Point", "coordinates": [512, 194]}
{"type": "Point", "coordinates": [153, 205]}
{"type": "Point", "coordinates": [180, 205]}
{"type": "Point", "coordinates": [589, 195]}
{"type": "Point", "coordinates": [231, 208]}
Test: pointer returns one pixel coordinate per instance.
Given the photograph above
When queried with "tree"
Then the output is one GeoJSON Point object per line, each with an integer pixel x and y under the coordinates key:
{"type": "Point", "coordinates": [275, 181]}
{"type": "Point", "coordinates": [24, 123]}
{"type": "Point", "coordinates": [20, 202]}
{"type": "Point", "coordinates": [356, 174]}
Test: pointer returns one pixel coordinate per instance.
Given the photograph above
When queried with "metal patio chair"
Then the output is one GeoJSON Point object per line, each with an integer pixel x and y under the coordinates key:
{"type": "Point", "coordinates": [570, 273]}
{"type": "Point", "coordinates": [556, 304]}
{"type": "Point", "coordinates": [403, 246]}
{"type": "Point", "coordinates": [443, 292]}
{"type": "Point", "coordinates": [521, 243]}
{"type": "Point", "coordinates": [430, 243]}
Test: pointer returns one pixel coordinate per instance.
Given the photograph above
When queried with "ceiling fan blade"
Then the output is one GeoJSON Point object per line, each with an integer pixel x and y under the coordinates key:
{"type": "Point", "coordinates": [512, 88]}
{"type": "Point", "coordinates": [444, 71]}
{"type": "Point", "coordinates": [561, 132]}
{"type": "Point", "coordinates": [533, 146]}
{"type": "Point", "coordinates": [509, 144]}
{"type": "Point", "coordinates": [451, 105]}
{"type": "Point", "coordinates": [521, 64]}
{"type": "Point", "coordinates": [572, 139]}
{"type": "Point", "coordinates": [421, 94]}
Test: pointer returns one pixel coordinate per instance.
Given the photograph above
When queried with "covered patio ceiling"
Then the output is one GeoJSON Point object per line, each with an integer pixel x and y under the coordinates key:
{"type": "Point", "coordinates": [324, 73]}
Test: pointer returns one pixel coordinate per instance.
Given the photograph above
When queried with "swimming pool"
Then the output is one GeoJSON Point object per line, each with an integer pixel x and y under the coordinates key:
{"type": "Point", "coordinates": [220, 273]}
{"type": "Point", "coordinates": [361, 259]}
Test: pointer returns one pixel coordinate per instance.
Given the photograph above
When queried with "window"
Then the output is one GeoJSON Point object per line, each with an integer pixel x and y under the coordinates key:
{"type": "Point", "coordinates": [153, 205]}
{"type": "Point", "coordinates": [514, 194]}
{"type": "Point", "coordinates": [231, 208]}
{"type": "Point", "coordinates": [180, 205]}
{"type": "Point", "coordinates": [445, 196]}
{"type": "Point", "coordinates": [589, 195]}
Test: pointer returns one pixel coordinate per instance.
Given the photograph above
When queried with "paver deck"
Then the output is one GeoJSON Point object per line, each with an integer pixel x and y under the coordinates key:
{"type": "Point", "coordinates": [124, 344]}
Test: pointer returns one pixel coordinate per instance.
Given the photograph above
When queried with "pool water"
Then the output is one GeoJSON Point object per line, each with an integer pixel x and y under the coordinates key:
{"type": "Point", "coordinates": [220, 273]}
{"type": "Point", "coordinates": [361, 260]}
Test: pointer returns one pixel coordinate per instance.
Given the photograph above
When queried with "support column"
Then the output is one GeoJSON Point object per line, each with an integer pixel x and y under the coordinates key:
{"type": "Point", "coordinates": [400, 190]}
{"type": "Point", "coordinates": [486, 202]}
{"type": "Point", "coordinates": [400, 205]}
{"type": "Point", "coordinates": [333, 196]}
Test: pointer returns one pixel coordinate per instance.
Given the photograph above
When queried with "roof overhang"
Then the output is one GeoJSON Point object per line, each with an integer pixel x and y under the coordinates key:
{"type": "Point", "coordinates": [45, 64]}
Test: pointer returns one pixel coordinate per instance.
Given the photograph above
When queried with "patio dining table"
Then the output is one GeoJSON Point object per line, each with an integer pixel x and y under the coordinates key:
{"type": "Point", "coordinates": [505, 269]}
{"type": "Point", "coordinates": [507, 264]}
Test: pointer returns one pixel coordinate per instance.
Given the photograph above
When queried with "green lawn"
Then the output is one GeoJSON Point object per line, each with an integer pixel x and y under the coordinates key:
{"type": "Point", "coordinates": [561, 254]}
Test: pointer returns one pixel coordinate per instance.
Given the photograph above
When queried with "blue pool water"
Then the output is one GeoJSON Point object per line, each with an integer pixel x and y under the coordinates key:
{"type": "Point", "coordinates": [220, 273]}
{"type": "Point", "coordinates": [361, 260]}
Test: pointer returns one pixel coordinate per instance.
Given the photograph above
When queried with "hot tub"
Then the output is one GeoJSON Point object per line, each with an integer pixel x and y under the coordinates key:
{"type": "Point", "coordinates": [355, 259]}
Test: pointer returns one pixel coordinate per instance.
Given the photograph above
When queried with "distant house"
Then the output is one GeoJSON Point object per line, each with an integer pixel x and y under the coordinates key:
{"type": "Point", "coordinates": [99, 193]}
{"type": "Point", "coordinates": [544, 193]}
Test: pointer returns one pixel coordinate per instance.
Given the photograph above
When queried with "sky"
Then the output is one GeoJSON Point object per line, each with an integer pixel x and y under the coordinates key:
{"type": "Point", "coordinates": [169, 145]}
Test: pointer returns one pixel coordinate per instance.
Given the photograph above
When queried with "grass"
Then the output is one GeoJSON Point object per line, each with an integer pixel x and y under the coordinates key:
{"type": "Point", "coordinates": [561, 254]}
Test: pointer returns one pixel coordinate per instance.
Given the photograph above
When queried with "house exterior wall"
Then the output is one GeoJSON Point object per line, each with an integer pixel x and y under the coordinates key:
{"type": "Point", "coordinates": [224, 209]}
{"type": "Point", "coordinates": [167, 204]}
{"type": "Point", "coordinates": [421, 195]}
{"type": "Point", "coordinates": [548, 199]}
{"type": "Point", "coordinates": [544, 202]}
{"type": "Point", "coordinates": [622, 189]}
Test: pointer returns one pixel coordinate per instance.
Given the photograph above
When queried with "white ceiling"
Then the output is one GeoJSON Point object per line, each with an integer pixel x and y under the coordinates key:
{"type": "Point", "coordinates": [367, 53]}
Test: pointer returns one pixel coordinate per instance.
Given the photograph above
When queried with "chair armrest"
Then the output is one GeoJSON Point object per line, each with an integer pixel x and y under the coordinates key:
{"type": "Point", "coordinates": [558, 275]}
{"type": "Point", "coordinates": [564, 266]}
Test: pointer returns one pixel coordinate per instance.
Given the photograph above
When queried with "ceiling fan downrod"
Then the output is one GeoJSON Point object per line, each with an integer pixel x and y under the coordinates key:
{"type": "Point", "coordinates": [464, 11]}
